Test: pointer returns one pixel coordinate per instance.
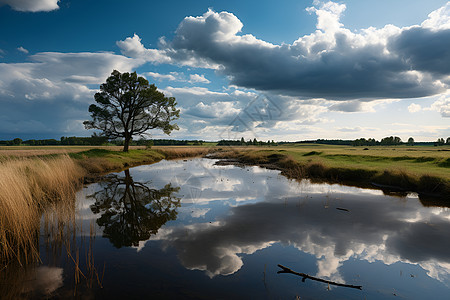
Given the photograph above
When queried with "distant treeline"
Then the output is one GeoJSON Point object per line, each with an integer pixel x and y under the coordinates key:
{"type": "Point", "coordinates": [395, 140]}
{"type": "Point", "coordinates": [387, 141]}
{"type": "Point", "coordinates": [96, 140]}
{"type": "Point", "coordinates": [242, 142]}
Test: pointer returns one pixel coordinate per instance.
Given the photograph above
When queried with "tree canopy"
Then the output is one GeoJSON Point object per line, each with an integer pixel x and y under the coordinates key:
{"type": "Point", "coordinates": [127, 106]}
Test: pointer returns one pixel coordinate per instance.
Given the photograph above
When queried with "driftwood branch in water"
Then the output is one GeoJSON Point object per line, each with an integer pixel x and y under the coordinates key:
{"type": "Point", "coordinates": [344, 209]}
{"type": "Point", "coordinates": [306, 276]}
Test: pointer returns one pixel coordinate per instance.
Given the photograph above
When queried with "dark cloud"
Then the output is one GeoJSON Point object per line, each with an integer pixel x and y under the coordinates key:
{"type": "Point", "coordinates": [332, 63]}
{"type": "Point", "coordinates": [423, 49]}
{"type": "Point", "coordinates": [42, 119]}
{"type": "Point", "coordinates": [50, 96]}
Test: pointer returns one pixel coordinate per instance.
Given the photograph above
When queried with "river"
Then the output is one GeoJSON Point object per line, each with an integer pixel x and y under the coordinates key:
{"type": "Point", "coordinates": [189, 229]}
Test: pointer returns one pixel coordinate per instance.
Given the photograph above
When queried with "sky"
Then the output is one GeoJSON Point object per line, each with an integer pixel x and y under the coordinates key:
{"type": "Point", "coordinates": [272, 70]}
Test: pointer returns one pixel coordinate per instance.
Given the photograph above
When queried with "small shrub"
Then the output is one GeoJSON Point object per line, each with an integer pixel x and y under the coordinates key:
{"type": "Point", "coordinates": [312, 153]}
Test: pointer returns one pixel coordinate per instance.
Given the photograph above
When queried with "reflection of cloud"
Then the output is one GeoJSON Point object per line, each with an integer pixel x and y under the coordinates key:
{"type": "Point", "coordinates": [45, 280]}
{"type": "Point", "coordinates": [200, 249]}
{"type": "Point", "coordinates": [199, 212]}
{"type": "Point", "coordinates": [370, 231]}
{"type": "Point", "coordinates": [264, 208]}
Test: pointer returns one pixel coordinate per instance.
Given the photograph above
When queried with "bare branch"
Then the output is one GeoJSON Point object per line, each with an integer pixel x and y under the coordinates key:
{"type": "Point", "coordinates": [306, 276]}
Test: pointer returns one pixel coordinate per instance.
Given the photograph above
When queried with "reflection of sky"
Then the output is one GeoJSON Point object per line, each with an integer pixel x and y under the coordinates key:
{"type": "Point", "coordinates": [228, 213]}
{"type": "Point", "coordinates": [370, 231]}
{"type": "Point", "coordinates": [43, 280]}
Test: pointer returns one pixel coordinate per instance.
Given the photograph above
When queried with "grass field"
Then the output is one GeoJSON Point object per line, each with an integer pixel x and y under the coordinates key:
{"type": "Point", "coordinates": [420, 160]}
{"type": "Point", "coordinates": [28, 151]}
{"type": "Point", "coordinates": [424, 169]}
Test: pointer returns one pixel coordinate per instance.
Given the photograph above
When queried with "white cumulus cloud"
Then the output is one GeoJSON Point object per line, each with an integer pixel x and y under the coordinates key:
{"type": "Point", "coordinates": [438, 19]}
{"type": "Point", "coordinates": [31, 5]}
{"type": "Point", "coordinates": [196, 78]}
{"type": "Point", "coordinates": [414, 108]}
{"type": "Point", "coordinates": [22, 49]}
{"type": "Point", "coordinates": [442, 105]}
{"type": "Point", "coordinates": [173, 76]}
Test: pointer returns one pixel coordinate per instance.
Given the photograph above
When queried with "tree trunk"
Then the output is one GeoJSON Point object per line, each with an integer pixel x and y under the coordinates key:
{"type": "Point", "coordinates": [126, 143]}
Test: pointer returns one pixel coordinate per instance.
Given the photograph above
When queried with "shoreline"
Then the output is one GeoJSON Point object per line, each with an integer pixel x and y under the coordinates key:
{"type": "Point", "coordinates": [99, 163]}
{"type": "Point", "coordinates": [431, 189]}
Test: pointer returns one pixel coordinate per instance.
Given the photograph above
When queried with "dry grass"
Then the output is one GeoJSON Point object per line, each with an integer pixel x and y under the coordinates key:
{"type": "Point", "coordinates": [98, 165]}
{"type": "Point", "coordinates": [31, 151]}
{"type": "Point", "coordinates": [177, 152]}
{"type": "Point", "coordinates": [28, 185]}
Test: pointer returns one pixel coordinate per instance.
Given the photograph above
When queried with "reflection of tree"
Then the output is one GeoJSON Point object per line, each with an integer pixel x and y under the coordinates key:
{"type": "Point", "coordinates": [131, 211]}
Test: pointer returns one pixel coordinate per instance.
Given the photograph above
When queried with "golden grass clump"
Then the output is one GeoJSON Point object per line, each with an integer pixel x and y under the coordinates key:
{"type": "Point", "coordinates": [183, 152]}
{"type": "Point", "coordinates": [94, 165]}
{"type": "Point", "coordinates": [27, 186]}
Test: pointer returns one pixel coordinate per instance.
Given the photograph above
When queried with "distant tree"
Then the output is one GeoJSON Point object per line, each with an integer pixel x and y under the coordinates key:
{"type": "Point", "coordinates": [127, 106]}
{"type": "Point", "coordinates": [391, 141]}
{"type": "Point", "coordinates": [440, 142]}
{"type": "Point", "coordinates": [149, 144]}
{"type": "Point", "coordinates": [411, 141]}
{"type": "Point", "coordinates": [448, 141]}
{"type": "Point", "coordinates": [359, 142]}
{"type": "Point", "coordinates": [17, 141]}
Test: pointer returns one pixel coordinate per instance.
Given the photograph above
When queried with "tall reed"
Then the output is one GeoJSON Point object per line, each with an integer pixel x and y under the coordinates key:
{"type": "Point", "coordinates": [27, 186]}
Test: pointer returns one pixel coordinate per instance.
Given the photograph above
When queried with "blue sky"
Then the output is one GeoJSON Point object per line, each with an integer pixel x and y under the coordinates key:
{"type": "Point", "coordinates": [289, 70]}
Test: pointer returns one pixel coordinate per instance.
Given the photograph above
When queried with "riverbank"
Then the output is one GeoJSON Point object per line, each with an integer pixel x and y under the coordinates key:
{"type": "Point", "coordinates": [32, 183]}
{"type": "Point", "coordinates": [98, 162]}
{"type": "Point", "coordinates": [427, 173]}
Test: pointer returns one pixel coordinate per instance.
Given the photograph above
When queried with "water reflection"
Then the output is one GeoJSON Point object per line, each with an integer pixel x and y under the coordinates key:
{"type": "Point", "coordinates": [370, 231]}
{"type": "Point", "coordinates": [31, 280]}
{"type": "Point", "coordinates": [131, 211]}
{"type": "Point", "coordinates": [237, 226]}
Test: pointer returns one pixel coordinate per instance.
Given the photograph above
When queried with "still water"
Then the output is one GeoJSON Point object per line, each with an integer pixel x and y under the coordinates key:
{"type": "Point", "coordinates": [195, 230]}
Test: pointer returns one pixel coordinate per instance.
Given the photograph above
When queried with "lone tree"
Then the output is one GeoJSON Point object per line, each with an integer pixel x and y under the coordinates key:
{"type": "Point", "coordinates": [127, 105]}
